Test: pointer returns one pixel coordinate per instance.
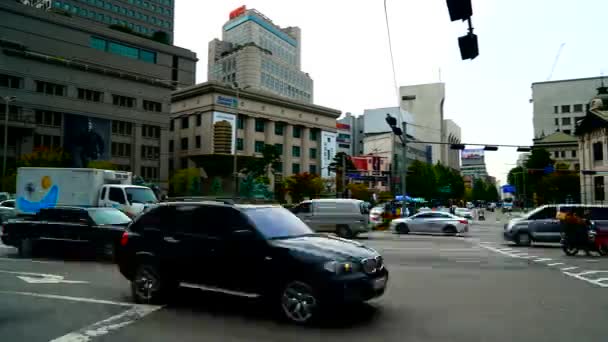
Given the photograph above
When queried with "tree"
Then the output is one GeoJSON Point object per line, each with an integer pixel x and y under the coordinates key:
{"type": "Point", "coordinates": [421, 180]}
{"type": "Point", "coordinates": [559, 187]}
{"type": "Point", "coordinates": [102, 165]}
{"type": "Point", "coordinates": [360, 191]}
{"type": "Point", "coordinates": [448, 178]}
{"type": "Point", "coordinates": [491, 193]}
{"type": "Point", "coordinates": [303, 185]}
{"type": "Point", "coordinates": [259, 167]}
{"type": "Point", "coordinates": [185, 182]}
{"type": "Point", "coordinates": [216, 186]}
{"type": "Point", "coordinates": [45, 157]}
{"type": "Point", "coordinates": [479, 189]}
{"type": "Point", "coordinates": [341, 159]}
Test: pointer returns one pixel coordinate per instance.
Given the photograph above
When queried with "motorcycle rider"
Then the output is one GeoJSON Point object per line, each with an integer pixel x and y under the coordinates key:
{"type": "Point", "coordinates": [576, 228]}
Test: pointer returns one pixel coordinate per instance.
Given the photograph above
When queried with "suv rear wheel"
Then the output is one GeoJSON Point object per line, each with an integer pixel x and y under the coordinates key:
{"type": "Point", "coordinates": [148, 285]}
{"type": "Point", "coordinates": [299, 302]}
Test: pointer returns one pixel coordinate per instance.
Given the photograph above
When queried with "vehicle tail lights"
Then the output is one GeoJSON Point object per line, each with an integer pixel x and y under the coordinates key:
{"type": "Point", "coordinates": [464, 221]}
{"type": "Point", "coordinates": [124, 239]}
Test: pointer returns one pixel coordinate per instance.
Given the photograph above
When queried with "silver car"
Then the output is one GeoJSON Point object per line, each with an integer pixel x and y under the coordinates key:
{"type": "Point", "coordinates": [431, 222]}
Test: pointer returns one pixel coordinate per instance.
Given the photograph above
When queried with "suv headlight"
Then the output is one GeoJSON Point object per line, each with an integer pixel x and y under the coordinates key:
{"type": "Point", "coordinates": [341, 267]}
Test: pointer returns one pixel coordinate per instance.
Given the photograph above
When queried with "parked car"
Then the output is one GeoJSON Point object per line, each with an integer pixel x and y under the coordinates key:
{"type": "Point", "coordinates": [542, 225]}
{"type": "Point", "coordinates": [101, 228]}
{"type": "Point", "coordinates": [253, 250]}
{"type": "Point", "coordinates": [431, 222]}
{"type": "Point", "coordinates": [346, 217]}
{"type": "Point", "coordinates": [8, 203]}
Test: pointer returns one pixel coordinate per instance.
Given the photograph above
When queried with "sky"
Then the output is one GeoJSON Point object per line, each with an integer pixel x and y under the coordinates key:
{"type": "Point", "coordinates": [345, 50]}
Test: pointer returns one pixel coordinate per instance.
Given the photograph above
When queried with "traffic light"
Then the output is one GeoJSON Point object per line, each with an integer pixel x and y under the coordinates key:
{"type": "Point", "coordinates": [391, 121]}
{"type": "Point", "coordinates": [490, 148]}
{"type": "Point", "coordinates": [460, 9]}
{"type": "Point", "coordinates": [469, 49]}
{"type": "Point", "coordinates": [457, 146]}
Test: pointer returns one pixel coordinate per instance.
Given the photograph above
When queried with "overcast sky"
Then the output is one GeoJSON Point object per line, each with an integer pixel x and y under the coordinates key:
{"type": "Point", "coordinates": [345, 50]}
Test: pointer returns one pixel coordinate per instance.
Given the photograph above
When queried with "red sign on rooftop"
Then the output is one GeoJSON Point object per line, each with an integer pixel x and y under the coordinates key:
{"type": "Point", "coordinates": [237, 12]}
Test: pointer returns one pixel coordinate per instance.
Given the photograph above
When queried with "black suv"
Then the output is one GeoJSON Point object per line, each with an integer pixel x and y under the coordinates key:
{"type": "Point", "coordinates": [255, 250]}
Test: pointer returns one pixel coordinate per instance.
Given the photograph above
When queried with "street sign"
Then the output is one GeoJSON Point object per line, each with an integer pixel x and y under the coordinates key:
{"type": "Point", "coordinates": [445, 189]}
{"type": "Point", "coordinates": [549, 169]}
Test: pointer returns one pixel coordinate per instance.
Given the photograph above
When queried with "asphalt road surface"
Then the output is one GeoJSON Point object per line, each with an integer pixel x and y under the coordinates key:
{"type": "Point", "coordinates": [470, 288]}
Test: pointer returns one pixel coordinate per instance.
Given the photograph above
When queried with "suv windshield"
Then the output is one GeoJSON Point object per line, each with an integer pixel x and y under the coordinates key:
{"type": "Point", "coordinates": [109, 217]}
{"type": "Point", "coordinates": [277, 223]}
{"type": "Point", "coordinates": [141, 195]}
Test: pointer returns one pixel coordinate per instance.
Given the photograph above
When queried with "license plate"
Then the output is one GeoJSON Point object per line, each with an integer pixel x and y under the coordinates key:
{"type": "Point", "coordinates": [379, 283]}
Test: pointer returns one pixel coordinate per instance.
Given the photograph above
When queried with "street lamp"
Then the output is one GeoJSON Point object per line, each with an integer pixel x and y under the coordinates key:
{"type": "Point", "coordinates": [7, 100]}
{"type": "Point", "coordinates": [235, 86]}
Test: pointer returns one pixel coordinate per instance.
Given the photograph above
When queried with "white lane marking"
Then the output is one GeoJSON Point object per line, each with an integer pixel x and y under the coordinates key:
{"type": "Point", "coordinates": [406, 249]}
{"type": "Point", "coordinates": [556, 263]}
{"type": "Point", "coordinates": [108, 325]}
{"type": "Point", "coordinates": [42, 278]}
{"type": "Point", "coordinates": [30, 260]}
{"type": "Point", "coordinates": [74, 299]}
{"type": "Point", "coordinates": [569, 268]}
{"type": "Point", "coordinates": [598, 282]}
{"type": "Point", "coordinates": [542, 259]}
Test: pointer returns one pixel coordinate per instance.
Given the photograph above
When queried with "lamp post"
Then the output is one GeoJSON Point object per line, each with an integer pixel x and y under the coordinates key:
{"type": "Point", "coordinates": [235, 86]}
{"type": "Point", "coordinates": [7, 101]}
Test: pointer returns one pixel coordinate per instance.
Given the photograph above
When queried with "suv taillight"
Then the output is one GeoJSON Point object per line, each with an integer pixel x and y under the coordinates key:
{"type": "Point", "coordinates": [464, 221]}
{"type": "Point", "coordinates": [124, 239]}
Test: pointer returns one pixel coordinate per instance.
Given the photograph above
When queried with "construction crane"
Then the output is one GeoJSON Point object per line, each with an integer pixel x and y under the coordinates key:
{"type": "Point", "coordinates": [559, 52]}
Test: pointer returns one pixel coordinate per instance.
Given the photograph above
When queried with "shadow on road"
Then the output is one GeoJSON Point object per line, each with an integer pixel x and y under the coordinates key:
{"type": "Point", "coordinates": [62, 253]}
{"type": "Point", "coordinates": [233, 307]}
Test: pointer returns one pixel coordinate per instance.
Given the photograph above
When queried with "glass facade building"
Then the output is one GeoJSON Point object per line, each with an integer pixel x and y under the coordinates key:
{"type": "Point", "coordinates": [142, 16]}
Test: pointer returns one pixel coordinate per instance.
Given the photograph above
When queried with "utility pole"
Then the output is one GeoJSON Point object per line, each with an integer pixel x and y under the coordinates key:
{"type": "Point", "coordinates": [7, 101]}
{"type": "Point", "coordinates": [404, 174]}
{"type": "Point", "coordinates": [343, 176]}
{"type": "Point", "coordinates": [236, 87]}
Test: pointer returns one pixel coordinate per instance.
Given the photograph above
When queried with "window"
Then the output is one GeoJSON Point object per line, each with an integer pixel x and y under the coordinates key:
{"type": "Point", "coordinates": [185, 122]}
{"type": "Point", "coordinates": [578, 108]}
{"type": "Point", "coordinates": [197, 141]}
{"type": "Point", "coordinates": [172, 125]}
{"type": "Point", "coordinates": [278, 128]}
{"type": "Point", "coordinates": [556, 154]}
{"type": "Point", "coordinates": [239, 144]}
{"type": "Point", "coordinates": [312, 169]}
{"type": "Point", "coordinates": [122, 49]}
{"type": "Point", "coordinates": [598, 151]}
{"type": "Point", "coordinates": [259, 146]}
{"type": "Point", "coordinates": [184, 144]}
{"type": "Point", "coordinates": [566, 121]}
{"type": "Point", "coordinates": [556, 122]}
{"type": "Point", "coordinates": [573, 153]}
{"type": "Point", "coordinates": [150, 152]}
{"type": "Point", "coordinates": [121, 149]}
{"type": "Point", "coordinates": [90, 95]}
{"type": "Point", "coordinates": [279, 148]}
{"type": "Point", "coordinates": [199, 119]}
{"type": "Point", "coordinates": [184, 163]}
{"type": "Point", "coordinates": [598, 186]}
{"type": "Point", "coordinates": [312, 153]}
{"type": "Point", "coordinates": [123, 101]}
{"type": "Point", "coordinates": [555, 109]}
{"type": "Point", "coordinates": [297, 131]}
{"type": "Point", "coordinates": [566, 109]}
{"type": "Point", "coordinates": [259, 125]}
{"type": "Point", "coordinates": [149, 131]}
{"type": "Point", "coordinates": [122, 127]}
{"type": "Point", "coordinates": [295, 168]}
{"type": "Point", "coordinates": [48, 118]}
{"type": "Point", "coordinates": [152, 106]}
{"type": "Point", "coordinates": [8, 81]}
{"type": "Point", "coordinates": [171, 145]}
{"type": "Point", "coordinates": [295, 151]}
{"type": "Point", "coordinates": [149, 172]}
{"type": "Point", "coordinates": [313, 134]}
{"type": "Point", "coordinates": [240, 122]}
{"type": "Point", "coordinates": [117, 195]}
{"type": "Point", "coordinates": [562, 154]}
{"type": "Point", "coordinates": [41, 140]}
{"type": "Point", "coordinates": [50, 88]}
{"type": "Point", "coordinates": [303, 208]}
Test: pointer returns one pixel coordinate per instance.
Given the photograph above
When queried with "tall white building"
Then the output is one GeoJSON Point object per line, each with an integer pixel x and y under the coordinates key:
{"type": "Point", "coordinates": [257, 53]}
{"type": "Point", "coordinates": [557, 105]}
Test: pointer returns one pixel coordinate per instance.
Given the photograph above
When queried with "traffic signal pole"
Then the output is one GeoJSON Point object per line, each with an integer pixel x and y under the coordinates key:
{"type": "Point", "coordinates": [404, 171]}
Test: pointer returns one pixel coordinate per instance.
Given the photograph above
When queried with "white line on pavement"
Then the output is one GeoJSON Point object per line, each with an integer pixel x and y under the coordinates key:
{"type": "Point", "coordinates": [542, 259]}
{"type": "Point", "coordinates": [598, 282]}
{"type": "Point", "coordinates": [74, 299]}
{"type": "Point", "coordinates": [108, 325]}
{"type": "Point", "coordinates": [569, 268]}
{"type": "Point", "coordinates": [556, 263]}
{"type": "Point", "coordinates": [30, 260]}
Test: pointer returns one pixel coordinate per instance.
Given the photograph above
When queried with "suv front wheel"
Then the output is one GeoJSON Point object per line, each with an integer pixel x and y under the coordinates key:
{"type": "Point", "coordinates": [299, 302]}
{"type": "Point", "coordinates": [148, 285]}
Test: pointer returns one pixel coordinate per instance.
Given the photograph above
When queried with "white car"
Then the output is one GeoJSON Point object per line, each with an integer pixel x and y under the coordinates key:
{"type": "Point", "coordinates": [431, 222]}
{"type": "Point", "coordinates": [462, 212]}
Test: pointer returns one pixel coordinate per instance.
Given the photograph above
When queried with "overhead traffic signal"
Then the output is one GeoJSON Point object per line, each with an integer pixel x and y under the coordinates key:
{"type": "Point", "coordinates": [460, 9]}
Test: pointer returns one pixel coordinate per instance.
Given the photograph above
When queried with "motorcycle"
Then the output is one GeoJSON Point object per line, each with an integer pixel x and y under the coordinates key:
{"type": "Point", "coordinates": [481, 216]}
{"type": "Point", "coordinates": [597, 241]}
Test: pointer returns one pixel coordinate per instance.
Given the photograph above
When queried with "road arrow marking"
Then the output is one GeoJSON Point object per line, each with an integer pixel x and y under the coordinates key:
{"type": "Point", "coordinates": [41, 278]}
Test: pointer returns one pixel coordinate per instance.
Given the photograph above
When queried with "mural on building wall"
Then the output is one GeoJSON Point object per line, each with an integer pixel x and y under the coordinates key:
{"type": "Point", "coordinates": [224, 133]}
{"type": "Point", "coordinates": [86, 138]}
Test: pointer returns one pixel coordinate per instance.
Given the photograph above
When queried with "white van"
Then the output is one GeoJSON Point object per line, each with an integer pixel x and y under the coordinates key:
{"type": "Point", "coordinates": [346, 217]}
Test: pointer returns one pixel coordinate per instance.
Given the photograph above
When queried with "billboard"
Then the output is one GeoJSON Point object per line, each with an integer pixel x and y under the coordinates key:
{"type": "Point", "coordinates": [224, 133]}
{"type": "Point", "coordinates": [328, 150]}
{"type": "Point", "coordinates": [344, 127]}
{"type": "Point", "coordinates": [86, 138]}
{"type": "Point", "coordinates": [472, 154]}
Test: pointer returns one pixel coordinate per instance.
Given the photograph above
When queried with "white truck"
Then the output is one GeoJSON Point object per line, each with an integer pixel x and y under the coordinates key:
{"type": "Point", "coordinates": [39, 188]}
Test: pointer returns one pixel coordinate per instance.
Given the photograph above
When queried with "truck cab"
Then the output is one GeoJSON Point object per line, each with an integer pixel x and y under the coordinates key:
{"type": "Point", "coordinates": [130, 199]}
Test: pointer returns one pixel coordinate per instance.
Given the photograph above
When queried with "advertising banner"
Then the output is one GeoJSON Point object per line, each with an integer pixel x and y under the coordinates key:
{"type": "Point", "coordinates": [328, 150]}
{"type": "Point", "coordinates": [86, 138]}
{"type": "Point", "coordinates": [224, 133]}
{"type": "Point", "coordinates": [472, 154]}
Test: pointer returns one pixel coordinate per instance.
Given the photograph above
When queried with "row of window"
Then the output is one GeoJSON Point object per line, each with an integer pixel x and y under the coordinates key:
{"type": "Point", "coordinates": [50, 141]}
{"type": "Point", "coordinates": [577, 108]}
{"type": "Point", "coordinates": [291, 76]}
{"type": "Point", "coordinates": [282, 88]}
{"type": "Point", "coordinates": [562, 154]}
{"type": "Point", "coordinates": [565, 121]}
{"type": "Point", "coordinates": [123, 50]}
{"type": "Point", "coordinates": [150, 172]}
{"type": "Point", "coordinates": [150, 152]}
{"type": "Point", "coordinates": [109, 6]}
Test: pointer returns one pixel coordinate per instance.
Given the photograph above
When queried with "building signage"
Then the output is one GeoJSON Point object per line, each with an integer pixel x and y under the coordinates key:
{"type": "Point", "coordinates": [342, 126]}
{"type": "Point", "coordinates": [237, 12]}
{"type": "Point", "coordinates": [475, 154]}
{"type": "Point", "coordinates": [226, 101]}
{"type": "Point", "coordinates": [328, 150]}
{"type": "Point", "coordinates": [224, 133]}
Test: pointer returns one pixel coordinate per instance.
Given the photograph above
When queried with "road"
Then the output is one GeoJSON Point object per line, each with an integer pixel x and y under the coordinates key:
{"type": "Point", "coordinates": [470, 288]}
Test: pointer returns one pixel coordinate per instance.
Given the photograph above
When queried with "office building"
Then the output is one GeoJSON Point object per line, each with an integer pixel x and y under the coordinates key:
{"type": "Point", "coordinates": [344, 138]}
{"type": "Point", "coordinates": [257, 53]}
{"type": "Point", "coordinates": [145, 17]}
{"type": "Point", "coordinates": [474, 164]}
{"type": "Point", "coordinates": [209, 116]}
{"type": "Point", "coordinates": [99, 93]}
{"type": "Point", "coordinates": [425, 103]}
{"type": "Point", "coordinates": [557, 105]}
{"type": "Point", "coordinates": [562, 147]}
{"type": "Point", "coordinates": [356, 132]}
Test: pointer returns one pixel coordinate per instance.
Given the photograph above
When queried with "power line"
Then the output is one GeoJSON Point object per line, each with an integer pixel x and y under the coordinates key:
{"type": "Point", "coordinates": [390, 48]}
